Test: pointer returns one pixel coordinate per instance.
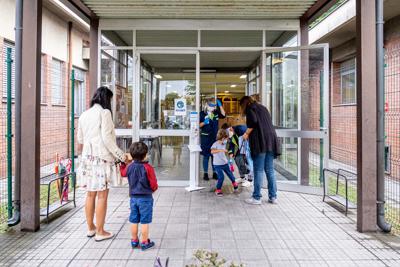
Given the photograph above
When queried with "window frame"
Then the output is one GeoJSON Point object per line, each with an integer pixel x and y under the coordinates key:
{"type": "Point", "coordinates": [352, 71]}
{"type": "Point", "coordinates": [62, 83]}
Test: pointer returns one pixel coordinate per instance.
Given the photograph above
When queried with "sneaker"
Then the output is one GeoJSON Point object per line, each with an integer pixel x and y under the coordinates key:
{"type": "Point", "coordinates": [218, 193]}
{"type": "Point", "coordinates": [235, 186]}
{"type": "Point", "coordinates": [205, 177]}
{"type": "Point", "coordinates": [147, 244]}
{"type": "Point", "coordinates": [135, 243]}
{"type": "Point", "coordinates": [246, 183]}
{"type": "Point", "coordinates": [272, 200]}
{"type": "Point", "coordinates": [253, 201]}
{"type": "Point", "coordinates": [215, 176]}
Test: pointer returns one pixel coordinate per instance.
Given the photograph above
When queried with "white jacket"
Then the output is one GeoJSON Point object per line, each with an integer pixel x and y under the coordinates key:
{"type": "Point", "coordinates": [96, 133]}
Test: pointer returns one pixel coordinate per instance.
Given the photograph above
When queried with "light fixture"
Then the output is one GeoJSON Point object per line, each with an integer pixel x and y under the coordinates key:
{"type": "Point", "coordinates": [226, 92]}
{"type": "Point", "coordinates": [233, 85]}
{"type": "Point", "coordinates": [243, 76]}
{"type": "Point", "coordinates": [158, 76]}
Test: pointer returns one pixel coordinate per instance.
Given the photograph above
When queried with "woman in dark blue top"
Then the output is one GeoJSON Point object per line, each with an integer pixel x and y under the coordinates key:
{"type": "Point", "coordinates": [209, 117]}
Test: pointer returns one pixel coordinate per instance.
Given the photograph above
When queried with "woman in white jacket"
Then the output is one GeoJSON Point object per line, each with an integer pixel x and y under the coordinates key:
{"type": "Point", "coordinates": [97, 140]}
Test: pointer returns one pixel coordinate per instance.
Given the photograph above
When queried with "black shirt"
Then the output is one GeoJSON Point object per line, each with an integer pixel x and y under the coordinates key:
{"type": "Point", "coordinates": [263, 137]}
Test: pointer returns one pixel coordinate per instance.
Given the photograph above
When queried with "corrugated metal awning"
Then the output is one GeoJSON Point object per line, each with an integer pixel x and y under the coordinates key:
{"type": "Point", "coordinates": [200, 9]}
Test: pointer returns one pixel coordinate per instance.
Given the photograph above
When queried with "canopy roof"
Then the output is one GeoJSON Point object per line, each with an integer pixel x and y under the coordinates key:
{"type": "Point", "coordinates": [204, 9]}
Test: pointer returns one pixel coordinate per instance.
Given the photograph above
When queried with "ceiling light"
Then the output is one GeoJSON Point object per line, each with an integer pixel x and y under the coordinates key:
{"type": "Point", "coordinates": [226, 92]}
{"type": "Point", "coordinates": [233, 85]}
{"type": "Point", "coordinates": [243, 76]}
{"type": "Point", "coordinates": [158, 76]}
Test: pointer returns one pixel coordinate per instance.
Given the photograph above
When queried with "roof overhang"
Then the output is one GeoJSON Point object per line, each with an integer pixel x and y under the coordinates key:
{"type": "Point", "coordinates": [205, 9]}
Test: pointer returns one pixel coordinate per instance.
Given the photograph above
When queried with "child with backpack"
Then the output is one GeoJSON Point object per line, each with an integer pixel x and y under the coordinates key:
{"type": "Point", "coordinates": [237, 151]}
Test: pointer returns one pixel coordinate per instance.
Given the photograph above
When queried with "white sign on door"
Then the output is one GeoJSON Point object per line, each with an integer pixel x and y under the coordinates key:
{"type": "Point", "coordinates": [180, 107]}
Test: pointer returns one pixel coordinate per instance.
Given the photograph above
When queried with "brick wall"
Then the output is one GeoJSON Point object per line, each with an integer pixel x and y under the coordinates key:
{"type": "Point", "coordinates": [392, 99]}
{"type": "Point", "coordinates": [343, 135]}
{"type": "Point", "coordinates": [54, 118]}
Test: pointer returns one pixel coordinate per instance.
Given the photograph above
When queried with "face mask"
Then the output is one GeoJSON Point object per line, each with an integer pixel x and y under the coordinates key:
{"type": "Point", "coordinates": [210, 109]}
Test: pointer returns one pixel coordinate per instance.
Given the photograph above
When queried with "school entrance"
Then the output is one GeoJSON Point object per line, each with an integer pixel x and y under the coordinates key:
{"type": "Point", "coordinates": [162, 70]}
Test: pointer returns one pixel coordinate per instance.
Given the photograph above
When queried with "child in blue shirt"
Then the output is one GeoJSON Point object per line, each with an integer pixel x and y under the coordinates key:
{"type": "Point", "coordinates": [142, 183]}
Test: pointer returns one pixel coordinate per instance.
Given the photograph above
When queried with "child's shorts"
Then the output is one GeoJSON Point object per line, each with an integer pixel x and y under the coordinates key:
{"type": "Point", "coordinates": [141, 210]}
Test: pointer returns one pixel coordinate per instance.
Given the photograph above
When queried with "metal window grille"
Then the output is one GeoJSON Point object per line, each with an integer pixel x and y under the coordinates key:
{"type": "Point", "coordinates": [80, 92]}
{"type": "Point", "coordinates": [348, 82]}
{"type": "Point", "coordinates": [57, 82]}
{"type": "Point", "coordinates": [4, 74]}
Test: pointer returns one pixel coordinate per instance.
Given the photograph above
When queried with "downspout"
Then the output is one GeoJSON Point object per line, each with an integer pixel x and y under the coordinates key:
{"type": "Point", "coordinates": [69, 46]}
{"type": "Point", "coordinates": [18, 65]}
{"type": "Point", "coordinates": [380, 98]}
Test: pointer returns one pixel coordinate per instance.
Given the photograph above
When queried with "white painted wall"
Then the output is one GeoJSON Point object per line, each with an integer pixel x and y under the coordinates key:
{"type": "Point", "coordinates": [7, 19]}
{"type": "Point", "coordinates": [335, 20]}
{"type": "Point", "coordinates": [77, 48]}
{"type": "Point", "coordinates": [54, 36]}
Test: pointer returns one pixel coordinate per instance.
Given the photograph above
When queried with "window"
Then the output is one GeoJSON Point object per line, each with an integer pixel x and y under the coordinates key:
{"type": "Point", "coordinates": [348, 82]}
{"type": "Point", "coordinates": [80, 92]}
{"type": "Point", "coordinates": [43, 82]}
{"type": "Point", "coordinates": [5, 46]}
{"type": "Point", "coordinates": [387, 158]}
{"type": "Point", "coordinates": [57, 82]}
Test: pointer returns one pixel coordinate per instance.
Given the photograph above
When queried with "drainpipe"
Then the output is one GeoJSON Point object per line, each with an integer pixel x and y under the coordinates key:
{"type": "Point", "coordinates": [69, 45]}
{"type": "Point", "coordinates": [18, 64]}
{"type": "Point", "coordinates": [385, 227]}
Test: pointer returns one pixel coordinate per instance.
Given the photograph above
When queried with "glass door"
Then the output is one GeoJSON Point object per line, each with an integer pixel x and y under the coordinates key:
{"type": "Point", "coordinates": [296, 93]}
{"type": "Point", "coordinates": [166, 98]}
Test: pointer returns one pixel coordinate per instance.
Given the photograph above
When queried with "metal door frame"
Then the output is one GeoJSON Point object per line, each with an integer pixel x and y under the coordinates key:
{"type": "Point", "coordinates": [323, 133]}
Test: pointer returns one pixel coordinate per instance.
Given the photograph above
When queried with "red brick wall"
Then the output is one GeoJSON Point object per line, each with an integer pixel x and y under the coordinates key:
{"type": "Point", "coordinates": [392, 99]}
{"type": "Point", "coordinates": [343, 135]}
{"type": "Point", "coordinates": [54, 118]}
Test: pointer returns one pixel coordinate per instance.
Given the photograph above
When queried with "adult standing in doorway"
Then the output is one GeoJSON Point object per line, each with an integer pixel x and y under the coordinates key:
{"type": "Point", "coordinates": [264, 147]}
{"type": "Point", "coordinates": [209, 117]}
{"type": "Point", "coordinates": [96, 136]}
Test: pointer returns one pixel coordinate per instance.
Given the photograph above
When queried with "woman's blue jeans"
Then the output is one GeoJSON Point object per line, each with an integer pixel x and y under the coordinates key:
{"type": "Point", "coordinates": [264, 162]}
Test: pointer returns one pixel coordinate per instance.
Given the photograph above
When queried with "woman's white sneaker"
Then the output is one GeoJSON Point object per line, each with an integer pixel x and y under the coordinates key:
{"type": "Point", "coordinates": [253, 201]}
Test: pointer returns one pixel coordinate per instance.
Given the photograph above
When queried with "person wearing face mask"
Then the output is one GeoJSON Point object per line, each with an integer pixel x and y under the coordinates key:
{"type": "Point", "coordinates": [209, 117]}
{"type": "Point", "coordinates": [237, 151]}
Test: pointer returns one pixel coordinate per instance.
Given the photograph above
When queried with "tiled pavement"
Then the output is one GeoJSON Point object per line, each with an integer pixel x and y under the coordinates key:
{"type": "Point", "coordinates": [299, 231]}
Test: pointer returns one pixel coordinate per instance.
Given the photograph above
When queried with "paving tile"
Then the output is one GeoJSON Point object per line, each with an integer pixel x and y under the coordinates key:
{"type": "Point", "coordinates": [114, 263]}
{"type": "Point", "coordinates": [90, 254]}
{"type": "Point", "coordinates": [52, 263]}
{"type": "Point", "coordinates": [144, 255]}
{"type": "Point", "coordinates": [252, 254]}
{"type": "Point", "coordinates": [63, 254]}
{"type": "Point", "coordinates": [83, 263]}
{"type": "Point", "coordinates": [117, 254]}
{"type": "Point", "coordinates": [173, 243]}
{"type": "Point", "coordinates": [279, 255]}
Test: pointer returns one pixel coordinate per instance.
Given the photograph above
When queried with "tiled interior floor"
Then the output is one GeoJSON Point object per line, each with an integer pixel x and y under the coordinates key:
{"type": "Point", "coordinates": [300, 230]}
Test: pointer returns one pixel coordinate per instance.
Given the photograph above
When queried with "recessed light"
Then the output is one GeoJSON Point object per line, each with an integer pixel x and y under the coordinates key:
{"type": "Point", "coordinates": [243, 76]}
{"type": "Point", "coordinates": [158, 76]}
{"type": "Point", "coordinates": [233, 85]}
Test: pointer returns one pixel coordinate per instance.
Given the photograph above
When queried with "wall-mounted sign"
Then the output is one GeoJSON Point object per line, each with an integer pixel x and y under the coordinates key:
{"type": "Point", "coordinates": [180, 107]}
